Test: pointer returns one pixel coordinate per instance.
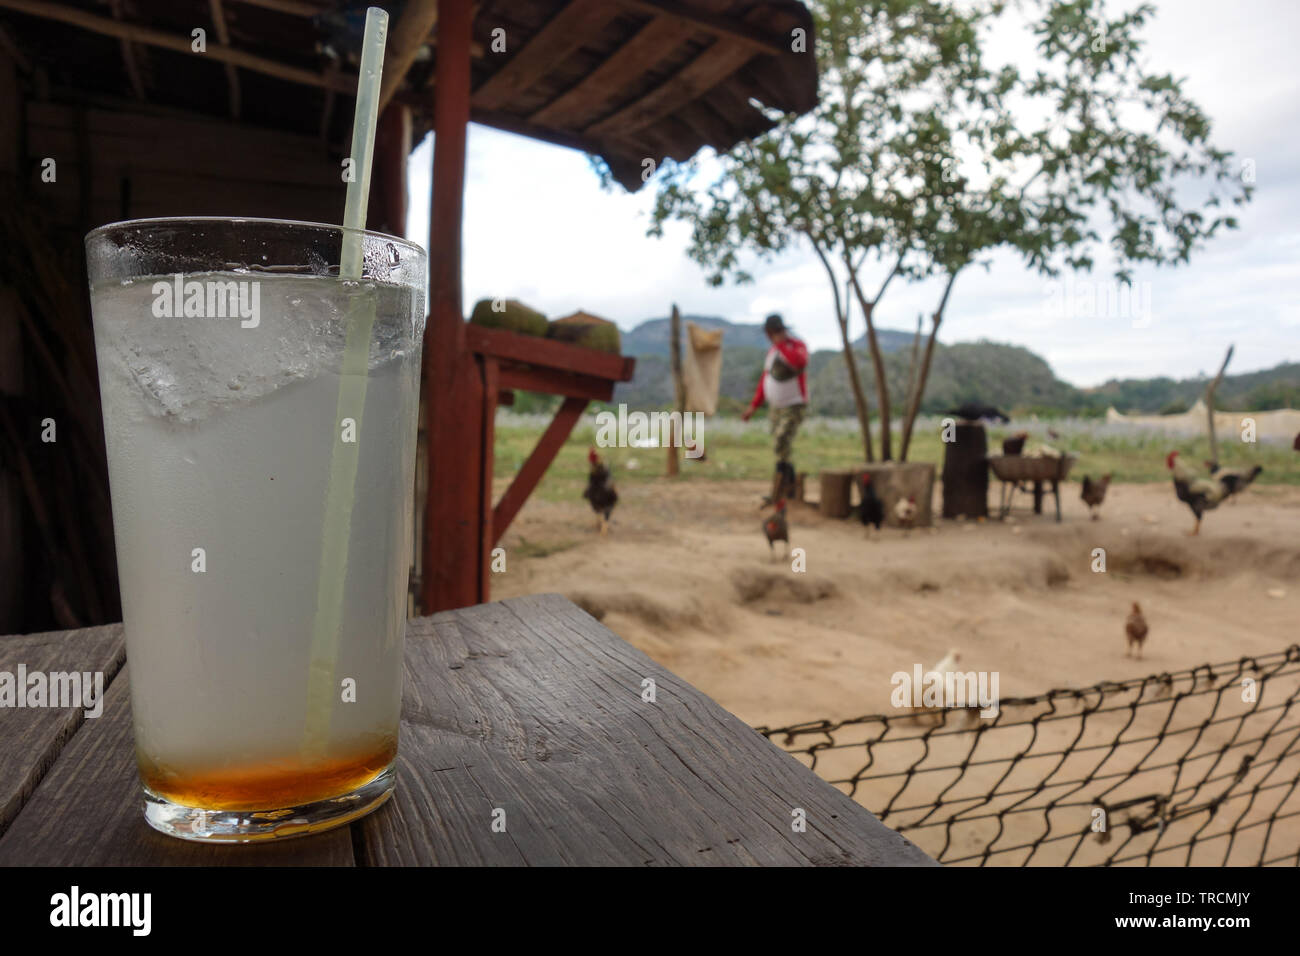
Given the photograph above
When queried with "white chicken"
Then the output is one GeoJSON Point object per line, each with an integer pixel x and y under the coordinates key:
{"type": "Point", "coordinates": [905, 512]}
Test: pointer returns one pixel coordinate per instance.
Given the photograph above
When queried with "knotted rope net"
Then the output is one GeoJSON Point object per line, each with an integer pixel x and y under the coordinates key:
{"type": "Point", "coordinates": [1195, 768]}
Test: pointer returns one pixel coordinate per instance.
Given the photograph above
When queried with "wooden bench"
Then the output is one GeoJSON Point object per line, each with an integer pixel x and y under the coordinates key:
{"type": "Point", "coordinates": [528, 705]}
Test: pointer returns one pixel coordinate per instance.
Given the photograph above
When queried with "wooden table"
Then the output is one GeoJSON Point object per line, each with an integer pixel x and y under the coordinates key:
{"type": "Point", "coordinates": [528, 705]}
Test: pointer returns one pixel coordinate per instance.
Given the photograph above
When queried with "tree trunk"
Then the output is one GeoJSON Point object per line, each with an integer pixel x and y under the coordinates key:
{"type": "Point", "coordinates": [911, 372]}
{"type": "Point", "coordinates": [1209, 404]}
{"type": "Point", "coordinates": [915, 406]}
{"type": "Point", "coordinates": [877, 362]}
{"type": "Point", "coordinates": [882, 386]}
{"type": "Point", "coordinates": [855, 383]}
{"type": "Point", "coordinates": [841, 316]}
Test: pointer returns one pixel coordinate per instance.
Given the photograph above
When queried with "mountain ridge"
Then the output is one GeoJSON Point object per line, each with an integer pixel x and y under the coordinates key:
{"type": "Point", "coordinates": [1003, 374]}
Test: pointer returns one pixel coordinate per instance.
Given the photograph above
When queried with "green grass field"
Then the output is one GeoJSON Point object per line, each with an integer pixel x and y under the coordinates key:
{"type": "Point", "coordinates": [744, 452]}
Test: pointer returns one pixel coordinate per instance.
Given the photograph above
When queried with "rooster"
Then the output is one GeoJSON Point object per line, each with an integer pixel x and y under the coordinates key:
{"type": "Point", "coordinates": [775, 528]}
{"type": "Point", "coordinates": [1199, 494]}
{"type": "Point", "coordinates": [873, 509]}
{"type": "Point", "coordinates": [1135, 629]}
{"type": "Point", "coordinates": [600, 491]}
{"type": "Point", "coordinates": [1094, 492]}
{"type": "Point", "coordinates": [905, 512]}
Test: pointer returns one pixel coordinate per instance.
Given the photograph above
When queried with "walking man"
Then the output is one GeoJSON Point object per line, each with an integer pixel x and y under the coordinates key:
{"type": "Point", "coordinates": [784, 386]}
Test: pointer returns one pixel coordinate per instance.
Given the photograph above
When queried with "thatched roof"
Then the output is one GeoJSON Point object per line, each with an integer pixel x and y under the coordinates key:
{"type": "Point", "coordinates": [629, 80]}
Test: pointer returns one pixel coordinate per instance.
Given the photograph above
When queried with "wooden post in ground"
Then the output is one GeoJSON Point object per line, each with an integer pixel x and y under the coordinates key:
{"type": "Point", "coordinates": [1209, 404]}
{"type": "Point", "coordinates": [454, 560]}
{"type": "Point", "coordinates": [679, 389]}
{"type": "Point", "coordinates": [966, 473]}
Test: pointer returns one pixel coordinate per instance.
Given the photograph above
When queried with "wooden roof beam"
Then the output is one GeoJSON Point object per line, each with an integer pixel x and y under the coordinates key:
{"type": "Point", "coordinates": [167, 41]}
{"type": "Point", "coordinates": [714, 64]}
{"type": "Point", "coordinates": [232, 73]}
{"type": "Point", "coordinates": [405, 38]}
{"type": "Point", "coordinates": [295, 8]}
{"type": "Point", "coordinates": [128, 56]}
{"type": "Point", "coordinates": [600, 89]}
{"type": "Point", "coordinates": [720, 26]}
{"type": "Point", "coordinates": [562, 35]}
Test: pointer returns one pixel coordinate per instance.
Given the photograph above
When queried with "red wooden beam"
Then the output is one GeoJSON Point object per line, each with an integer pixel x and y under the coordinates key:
{"type": "Point", "coordinates": [491, 389]}
{"type": "Point", "coordinates": [548, 352]}
{"type": "Point", "coordinates": [553, 382]}
{"type": "Point", "coordinates": [452, 568]}
{"type": "Point", "coordinates": [531, 473]}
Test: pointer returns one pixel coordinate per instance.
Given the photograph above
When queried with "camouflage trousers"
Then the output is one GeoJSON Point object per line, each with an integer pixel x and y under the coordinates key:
{"type": "Point", "coordinates": [785, 424]}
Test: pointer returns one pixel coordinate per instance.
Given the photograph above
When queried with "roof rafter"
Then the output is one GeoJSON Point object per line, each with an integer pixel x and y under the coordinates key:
{"type": "Point", "coordinates": [561, 36]}
{"type": "Point", "coordinates": [577, 106]}
{"type": "Point", "coordinates": [170, 41]}
{"type": "Point", "coordinates": [232, 73]}
{"type": "Point", "coordinates": [722, 27]}
{"type": "Point", "coordinates": [714, 64]}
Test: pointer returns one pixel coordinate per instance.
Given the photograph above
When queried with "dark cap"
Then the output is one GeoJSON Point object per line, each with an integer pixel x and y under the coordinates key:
{"type": "Point", "coordinates": [773, 324]}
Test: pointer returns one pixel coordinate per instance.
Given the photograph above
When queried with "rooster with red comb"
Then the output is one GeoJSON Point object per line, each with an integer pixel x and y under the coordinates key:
{"type": "Point", "coordinates": [600, 491]}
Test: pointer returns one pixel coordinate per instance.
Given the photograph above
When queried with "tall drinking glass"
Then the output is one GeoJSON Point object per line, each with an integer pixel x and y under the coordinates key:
{"type": "Point", "coordinates": [260, 417]}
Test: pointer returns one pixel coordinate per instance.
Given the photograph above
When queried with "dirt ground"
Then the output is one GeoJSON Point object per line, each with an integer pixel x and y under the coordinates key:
{"type": "Point", "coordinates": [685, 575]}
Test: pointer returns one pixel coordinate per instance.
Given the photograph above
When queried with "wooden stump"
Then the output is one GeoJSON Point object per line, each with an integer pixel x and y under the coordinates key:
{"type": "Point", "coordinates": [836, 488]}
{"type": "Point", "coordinates": [966, 472]}
{"type": "Point", "coordinates": [895, 481]}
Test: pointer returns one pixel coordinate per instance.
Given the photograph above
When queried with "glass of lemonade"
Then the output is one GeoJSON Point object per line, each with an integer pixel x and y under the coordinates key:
{"type": "Point", "coordinates": [260, 417]}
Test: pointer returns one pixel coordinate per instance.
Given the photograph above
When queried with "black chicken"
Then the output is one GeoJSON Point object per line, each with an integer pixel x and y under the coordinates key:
{"type": "Point", "coordinates": [873, 509]}
{"type": "Point", "coordinates": [600, 491]}
{"type": "Point", "coordinates": [1014, 444]}
{"type": "Point", "coordinates": [975, 411]}
{"type": "Point", "coordinates": [776, 528]}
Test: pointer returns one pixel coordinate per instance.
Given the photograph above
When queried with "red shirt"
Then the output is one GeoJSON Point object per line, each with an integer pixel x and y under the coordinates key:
{"type": "Point", "coordinates": [795, 354]}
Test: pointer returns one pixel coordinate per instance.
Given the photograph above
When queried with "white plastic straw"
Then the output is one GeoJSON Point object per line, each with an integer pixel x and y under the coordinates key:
{"type": "Point", "coordinates": [322, 694]}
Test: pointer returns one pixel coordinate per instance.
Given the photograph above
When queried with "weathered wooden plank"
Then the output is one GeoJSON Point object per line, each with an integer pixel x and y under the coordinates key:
{"type": "Point", "coordinates": [87, 811]}
{"type": "Point", "coordinates": [572, 26]}
{"type": "Point", "coordinates": [715, 64]}
{"type": "Point", "coordinates": [32, 738]}
{"type": "Point", "coordinates": [531, 707]}
{"type": "Point", "coordinates": [603, 87]}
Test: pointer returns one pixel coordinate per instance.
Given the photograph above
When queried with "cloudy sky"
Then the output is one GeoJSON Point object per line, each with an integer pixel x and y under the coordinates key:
{"type": "Point", "coordinates": [540, 228]}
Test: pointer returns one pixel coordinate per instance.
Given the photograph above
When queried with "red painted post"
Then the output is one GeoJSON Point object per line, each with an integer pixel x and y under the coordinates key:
{"type": "Point", "coordinates": [452, 389]}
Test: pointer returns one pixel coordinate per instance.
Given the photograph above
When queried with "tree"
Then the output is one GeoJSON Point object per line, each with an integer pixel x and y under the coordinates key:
{"type": "Point", "coordinates": [833, 178]}
{"type": "Point", "coordinates": [1114, 159]}
{"type": "Point", "coordinates": [922, 159]}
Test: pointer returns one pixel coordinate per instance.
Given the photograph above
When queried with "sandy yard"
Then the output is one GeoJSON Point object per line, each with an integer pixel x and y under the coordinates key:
{"type": "Point", "coordinates": [686, 576]}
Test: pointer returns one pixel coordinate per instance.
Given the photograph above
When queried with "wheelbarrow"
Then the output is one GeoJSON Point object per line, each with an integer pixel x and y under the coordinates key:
{"type": "Point", "coordinates": [1014, 471]}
